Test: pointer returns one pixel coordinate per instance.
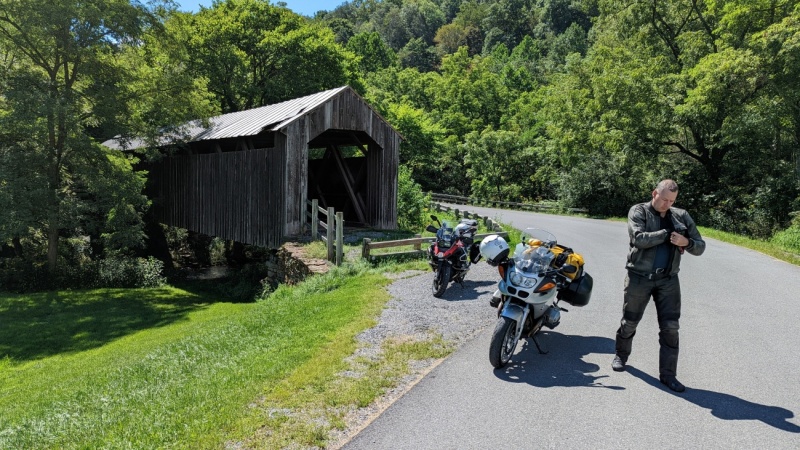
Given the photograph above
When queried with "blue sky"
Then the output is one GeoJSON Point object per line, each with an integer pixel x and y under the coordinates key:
{"type": "Point", "coordinates": [304, 7]}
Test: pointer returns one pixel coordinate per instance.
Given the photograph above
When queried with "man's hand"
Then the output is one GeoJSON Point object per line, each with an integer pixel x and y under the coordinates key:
{"type": "Point", "coordinates": [678, 239]}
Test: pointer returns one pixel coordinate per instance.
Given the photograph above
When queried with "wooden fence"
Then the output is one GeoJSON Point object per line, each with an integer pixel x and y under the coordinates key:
{"type": "Point", "coordinates": [367, 245]}
{"type": "Point", "coordinates": [333, 226]}
{"type": "Point", "coordinates": [496, 203]}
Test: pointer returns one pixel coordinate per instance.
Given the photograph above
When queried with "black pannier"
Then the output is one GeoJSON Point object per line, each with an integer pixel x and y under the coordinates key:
{"type": "Point", "coordinates": [579, 291]}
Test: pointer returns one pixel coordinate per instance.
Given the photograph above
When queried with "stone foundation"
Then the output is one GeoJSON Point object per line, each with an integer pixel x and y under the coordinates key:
{"type": "Point", "coordinates": [290, 265]}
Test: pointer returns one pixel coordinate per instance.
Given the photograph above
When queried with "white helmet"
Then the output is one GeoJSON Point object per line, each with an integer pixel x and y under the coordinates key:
{"type": "Point", "coordinates": [494, 249]}
{"type": "Point", "coordinates": [462, 229]}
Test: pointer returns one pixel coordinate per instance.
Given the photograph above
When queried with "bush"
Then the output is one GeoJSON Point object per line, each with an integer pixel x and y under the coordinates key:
{"type": "Point", "coordinates": [246, 284]}
{"type": "Point", "coordinates": [411, 202]}
{"type": "Point", "coordinates": [22, 275]}
{"type": "Point", "coordinates": [789, 239]}
{"type": "Point", "coordinates": [120, 272]}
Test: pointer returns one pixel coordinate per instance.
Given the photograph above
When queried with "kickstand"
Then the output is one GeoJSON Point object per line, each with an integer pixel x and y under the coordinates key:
{"type": "Point", "coordinates": [538, 347]}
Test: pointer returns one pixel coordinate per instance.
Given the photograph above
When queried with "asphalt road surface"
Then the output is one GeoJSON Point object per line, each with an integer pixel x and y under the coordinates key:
{"type": "Point", "coordinates": [740, 362]}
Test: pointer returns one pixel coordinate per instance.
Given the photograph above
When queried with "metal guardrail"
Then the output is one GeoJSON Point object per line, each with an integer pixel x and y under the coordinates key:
{"type": "Point", "coordinates": [333, 226]}
{"type": "Point", "coordinates": [495, 203]}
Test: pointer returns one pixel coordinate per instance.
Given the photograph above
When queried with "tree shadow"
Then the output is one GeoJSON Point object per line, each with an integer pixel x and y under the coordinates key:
{"type": "Point", "coordinates": [726, 406]}
{"type": "Point", "coordinates": [562, 366]}
{"type": "Point", "coordinates": [36, 326]}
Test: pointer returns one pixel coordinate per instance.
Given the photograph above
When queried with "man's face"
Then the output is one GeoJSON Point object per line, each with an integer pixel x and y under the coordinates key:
{"type": "Point", "coordinates": [663, 200]}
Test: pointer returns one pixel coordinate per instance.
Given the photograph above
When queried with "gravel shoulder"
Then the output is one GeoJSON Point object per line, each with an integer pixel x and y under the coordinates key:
{"type": "Point", "coordinates": [413, 313]}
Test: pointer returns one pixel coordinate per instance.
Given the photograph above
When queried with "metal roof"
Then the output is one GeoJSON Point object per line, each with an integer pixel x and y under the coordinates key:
{"type": "Point", "coordinates": [242, 123]}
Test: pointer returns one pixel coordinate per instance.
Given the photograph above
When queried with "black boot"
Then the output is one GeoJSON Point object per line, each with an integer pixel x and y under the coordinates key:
{"type": "Point", "coordinates": [671, 382]}
{"type": "Point", "coordinates": [668, 360]}
{"type": "Point", "coordinates": [623, 350]}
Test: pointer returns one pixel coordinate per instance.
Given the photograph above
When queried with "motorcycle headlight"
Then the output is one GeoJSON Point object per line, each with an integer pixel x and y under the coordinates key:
{"type": "Point", "coordinates": [519, 280]}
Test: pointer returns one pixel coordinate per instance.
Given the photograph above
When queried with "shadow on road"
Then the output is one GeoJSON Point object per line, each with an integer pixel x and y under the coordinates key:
{"type": "Point", "coordinates": [471, 290]}
{"type": "Point", "coordinates": [563, 365]}
{"type": "Point", "coordinates": [725, 406]}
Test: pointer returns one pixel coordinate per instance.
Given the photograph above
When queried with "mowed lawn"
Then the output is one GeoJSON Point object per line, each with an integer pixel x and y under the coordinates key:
{"type": "Point", "coordinates": [167, 367]}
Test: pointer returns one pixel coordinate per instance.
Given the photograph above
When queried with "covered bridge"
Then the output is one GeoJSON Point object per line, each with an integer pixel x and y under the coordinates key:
{"type": "Point", "coordinates": [247, 175]}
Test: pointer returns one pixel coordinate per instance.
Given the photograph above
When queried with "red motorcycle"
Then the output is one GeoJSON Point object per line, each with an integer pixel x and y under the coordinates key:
{"type": "Point", "coordinates": [451, 254]}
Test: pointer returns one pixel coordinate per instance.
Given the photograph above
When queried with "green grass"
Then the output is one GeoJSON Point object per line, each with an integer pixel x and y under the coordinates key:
{"type": "Point", "coordinates": [768, 248]}
{"type": "Point", "coordinates": [168, 367]}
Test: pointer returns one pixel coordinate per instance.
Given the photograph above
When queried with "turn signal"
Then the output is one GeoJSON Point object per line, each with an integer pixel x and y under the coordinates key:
{"type": "Point", "coordinates": [502, 269]}
{"type": "Point", "coordinates": [546, 286]}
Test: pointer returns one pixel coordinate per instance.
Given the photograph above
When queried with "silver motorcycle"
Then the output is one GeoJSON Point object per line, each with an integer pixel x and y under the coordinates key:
{"type": "Point", "coordinates": [538, 275]}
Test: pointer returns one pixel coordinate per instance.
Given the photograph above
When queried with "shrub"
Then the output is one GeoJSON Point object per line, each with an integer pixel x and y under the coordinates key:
{"type": "Point", "coordinates": [411, 201]}
{"type": "Point", "coordinates": [22, 275]}
{"type": "Point", "coordinates": [121, 272]}
{"type": "Point", "coordinates": [246, 284]}
{"type": "Point", "coordinates": [788, 239]}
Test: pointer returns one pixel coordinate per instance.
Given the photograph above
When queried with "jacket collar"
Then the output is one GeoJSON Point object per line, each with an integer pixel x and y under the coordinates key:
{"type": "Point", "coordinates": [656, 213]}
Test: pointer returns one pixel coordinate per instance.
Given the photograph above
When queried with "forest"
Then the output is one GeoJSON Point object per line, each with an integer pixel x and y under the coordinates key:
{"type": "Point", "coordinates": [585, 103]}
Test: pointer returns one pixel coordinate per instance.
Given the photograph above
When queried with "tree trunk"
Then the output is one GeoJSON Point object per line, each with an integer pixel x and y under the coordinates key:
{"type": "Point", "coordinates": [18, 250]}
{"type": "Point", "coordinates": [52, 247]}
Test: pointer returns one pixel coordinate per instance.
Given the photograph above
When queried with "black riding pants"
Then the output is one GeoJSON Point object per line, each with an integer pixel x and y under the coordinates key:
{"type": "Point", "coordinates": [665, 291]}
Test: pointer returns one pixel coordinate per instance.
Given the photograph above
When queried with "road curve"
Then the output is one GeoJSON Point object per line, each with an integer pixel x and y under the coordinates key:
{"type": "Point", "coordinates": [740, 361]}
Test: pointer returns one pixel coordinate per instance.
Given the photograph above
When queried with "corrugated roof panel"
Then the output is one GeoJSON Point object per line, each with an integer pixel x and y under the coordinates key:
{"type": "Point", "coordinates": [246, 123]}
{"type": "Point", "coordinates": [253, 121]}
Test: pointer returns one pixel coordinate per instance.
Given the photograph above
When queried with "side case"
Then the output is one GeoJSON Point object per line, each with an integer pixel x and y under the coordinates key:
{"type": "Point", "coordinates": [579, 291]}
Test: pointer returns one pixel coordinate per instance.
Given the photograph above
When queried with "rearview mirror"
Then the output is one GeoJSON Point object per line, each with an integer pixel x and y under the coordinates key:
{"type": "Point", "coordinates": [569, 269]}
{"type": "Point", "coordinates": [431, 228]}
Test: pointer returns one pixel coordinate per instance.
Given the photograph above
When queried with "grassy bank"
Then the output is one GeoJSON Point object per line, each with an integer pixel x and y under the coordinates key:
{"type": "Point", "coordinates": [168, 367]}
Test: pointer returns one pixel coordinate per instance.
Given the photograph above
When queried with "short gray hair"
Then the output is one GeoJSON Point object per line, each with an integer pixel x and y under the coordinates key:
{"type": "Point", "coordinates": [667, 184]}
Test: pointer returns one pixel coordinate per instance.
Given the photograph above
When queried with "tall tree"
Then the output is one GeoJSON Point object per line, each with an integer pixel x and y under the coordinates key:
{"type": "Point", "coordinates": [66, 84]}
{"type": "Point", "coordinates": [255, 54]}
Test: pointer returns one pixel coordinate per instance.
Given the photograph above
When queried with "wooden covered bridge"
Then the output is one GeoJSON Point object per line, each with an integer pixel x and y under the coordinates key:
{"type": "Point", "coordinates": [247, 175]}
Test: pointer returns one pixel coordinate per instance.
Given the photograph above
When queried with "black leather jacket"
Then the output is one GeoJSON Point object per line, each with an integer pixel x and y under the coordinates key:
{"type": "Point", "coordinates": [644, 229]}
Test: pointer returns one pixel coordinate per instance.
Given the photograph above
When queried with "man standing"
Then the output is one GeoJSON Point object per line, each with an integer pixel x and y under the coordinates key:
{"type": "Point", "coordinates": [659, 235]}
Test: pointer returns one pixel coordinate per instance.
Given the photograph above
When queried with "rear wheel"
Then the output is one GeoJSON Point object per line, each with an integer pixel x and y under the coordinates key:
{"type": "Point", "coordinates": [503, 342]}
{"type": "Point", "coordinates": [440, 280]}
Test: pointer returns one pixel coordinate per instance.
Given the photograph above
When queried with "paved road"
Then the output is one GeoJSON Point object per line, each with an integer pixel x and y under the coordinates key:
{"type": "Point", "coordinates": [740, 361]}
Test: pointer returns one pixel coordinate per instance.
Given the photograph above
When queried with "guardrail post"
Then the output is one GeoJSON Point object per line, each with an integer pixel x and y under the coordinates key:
{"type": "Point", "coordinates": [329, 235]}
{"type": "Point", "coordinates": [339, 238]}
{"type": "Point", "coordinates": [417, 246]}
{"type": "Point", "coordinates": [314, 219]}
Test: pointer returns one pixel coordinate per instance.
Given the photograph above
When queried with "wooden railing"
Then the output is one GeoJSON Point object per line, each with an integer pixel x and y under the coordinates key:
{"type": "Point", "coordinates": [367, 246]}
{"type": "Point", "coordinates": [497, 203]}
{"type": "Point", "coordinates": [333, 226]}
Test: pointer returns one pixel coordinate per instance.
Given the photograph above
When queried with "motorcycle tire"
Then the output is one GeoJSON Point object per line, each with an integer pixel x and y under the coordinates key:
{"type": "Point", "coordinates": [503, 342]}
{"type": "Point", "coordinates": [440, 280]}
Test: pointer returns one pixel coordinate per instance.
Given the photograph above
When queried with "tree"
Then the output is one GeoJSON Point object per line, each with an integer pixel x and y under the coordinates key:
{"type": "Point", "coordinates": [498, 165]}
{"type": "Point", "coordinates": [418, 54]}
{"type": "Point", "coordinates": [684, 85]}
{"type": "Point", "coordinates": [65, 84]}
{"type": "Point", "coordinates": [374, 53]}
{"type": "Point", "coordinates": [255, 54]}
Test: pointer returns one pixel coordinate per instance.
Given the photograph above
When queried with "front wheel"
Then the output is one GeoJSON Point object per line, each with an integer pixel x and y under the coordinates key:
{"type": "Point", "coordinates": [440, 280]}
{"type": "Point", "coordinates": [503, 342]}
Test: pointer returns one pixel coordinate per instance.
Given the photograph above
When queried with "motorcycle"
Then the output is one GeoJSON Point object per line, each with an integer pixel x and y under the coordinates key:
{"type": "Point", "coordinates": [452, 252]}
{"type": "Point", "coordinates": [533, 280]}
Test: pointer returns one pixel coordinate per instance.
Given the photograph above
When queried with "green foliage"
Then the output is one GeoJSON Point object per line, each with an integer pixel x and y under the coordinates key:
{"type": "Point", "coordinates": [788, 238]}
{"type": "Point", "coordinates": [499, 165]}
{"type": "Point", "coordinates": [255, 54]}
{"type": "Point", "coordinates": [418, 55]}
{"type": "Point", "coordinates": [23, 275]}
{"type": "Point", "coordinates": [128, 273]}
{"type": "Point", "coordinates": [64, 86]}
{"type": "Point", "coordinates": [374, 52]}
{"type": "Point", "coordinates": [411, 202]}
{"type": "Point", "coordinates": [605, 184]}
